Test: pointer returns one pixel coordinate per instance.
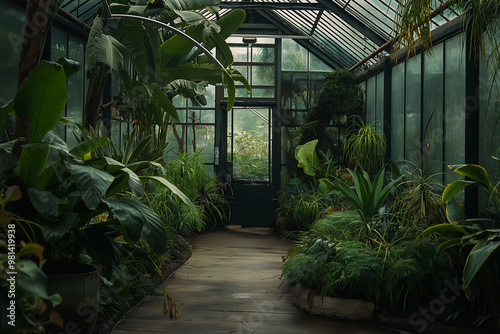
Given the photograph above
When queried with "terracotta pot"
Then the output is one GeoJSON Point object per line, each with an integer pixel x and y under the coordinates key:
{"type": "Point", "coordinates": [78, 285]}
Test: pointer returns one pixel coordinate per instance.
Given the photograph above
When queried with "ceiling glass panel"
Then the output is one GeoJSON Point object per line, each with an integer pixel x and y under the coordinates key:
{"type": "Point", "coordinates": [341, 29]}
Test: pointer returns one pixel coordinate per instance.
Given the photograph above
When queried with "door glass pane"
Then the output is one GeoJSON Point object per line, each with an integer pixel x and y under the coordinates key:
{"type": "Point", "coordinates": [250, 144]}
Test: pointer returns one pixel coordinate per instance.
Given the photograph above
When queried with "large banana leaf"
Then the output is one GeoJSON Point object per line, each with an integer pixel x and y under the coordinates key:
{"type": "Point", "coordinates": [177, 49]}
{"type": "Point", "coordinates": [228, 24]}
{"type": "Point", "coordinates": [143, 40]}
{"type": "Point", "coordinates": [41, 98]}
{"type": "Point", "coordinates": [32, 162]}
{"type": "Point", "coordinates": [106, 49]}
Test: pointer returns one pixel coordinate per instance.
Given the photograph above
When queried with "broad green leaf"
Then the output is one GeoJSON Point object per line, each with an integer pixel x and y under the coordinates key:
{"type": "Point", "coordinates": [454, 213]}
{"type": "Point", "coordinates": [443, 228]}
{"type": "Point", "coordinates": [202, 72]}
{"type": "Point", "coordinates": [224, 53]}
{"type": "Point", "coordinates": [164, 101]}
{"type": "Point", "coordinates": [45, 202]}
{"type": "Point", "coordinates": [32, 162]}
{"type": "Point", "coordinates": [228, 24]}
{"type": "Point", "coordinates": [41, 98]}
{"type": "Point", "coordinates": [477, 257]}
{"type": "Point", "coordinates": [144, 43]}
{"type": "Point", "coordinates": [70, 66]}
{"type": "Point", "coordinates": [104, 49]}
{"type": "Point", "coordinates": [138, 219]}
{"type": "Point", "coordinates": [231, 89]}
{"type": "Point", "coordinates": [91, 182]}
{"type": "Point", "coordinates": [476, 173]}
{"type": "Point", "coordinates": [53, 230]}
{"type": "Point", "coordinates": [134, 183]}
{"type": "Point", "coordinates": [88, 146]}
{"type": "Point", "coordinates": [449, 243]}
{"type": "Point", "coordinates": [307, 157]}
{"type": "Point", "coordinates": [453, 188]}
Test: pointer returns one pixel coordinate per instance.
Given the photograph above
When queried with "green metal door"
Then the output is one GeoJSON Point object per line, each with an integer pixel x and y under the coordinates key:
{"type": "Point", "coordinates": [249, 165]}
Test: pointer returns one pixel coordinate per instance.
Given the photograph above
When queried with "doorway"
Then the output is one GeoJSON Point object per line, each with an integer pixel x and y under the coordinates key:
{"type": "Point", "coordinates": [249, 165]}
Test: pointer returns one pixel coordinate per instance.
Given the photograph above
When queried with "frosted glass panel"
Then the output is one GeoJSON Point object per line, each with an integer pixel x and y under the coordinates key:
{"type": "Point", "coordinates": [397, 112]}
{"type": "Point", "coordinates": [315, 64]}
{"type": "Point", "coordinates": [263, 75]}
{"type": "Point", "coordinates": [294, 56]}
{"type": "Point", "coordinates": [412, 108]}
{"type": "Point", "coordinates": [454, 103]}
{"type": "Point", "coordinates": [379, 89]}
{"type": "Point", "coordinates": [433, 107]}
{"type": "Point", "coordinates": [489, 117]}
{"type": "Point", "coordinates": [371, 85]}
{"type": "Point", "coordinates": [262, 55]}
{"type": "Point", "coordinates": [11, 26]}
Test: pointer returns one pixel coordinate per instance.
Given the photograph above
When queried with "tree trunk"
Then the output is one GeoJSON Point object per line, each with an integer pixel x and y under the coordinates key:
{"type": "Point", "coordinates": [39, 15]}
{"type": "Point", "coordinates": [97, 82]}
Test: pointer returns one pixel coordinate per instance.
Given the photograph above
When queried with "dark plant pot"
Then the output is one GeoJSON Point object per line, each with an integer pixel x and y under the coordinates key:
{"type": "Point", "coordinates": [78, 285]}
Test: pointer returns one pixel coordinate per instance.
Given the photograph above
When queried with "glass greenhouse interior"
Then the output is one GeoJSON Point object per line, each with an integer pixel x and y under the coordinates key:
{"type": "Point", "coordinates": [437, 103]}
{"type": "Point", "coordinates": [363, 136]}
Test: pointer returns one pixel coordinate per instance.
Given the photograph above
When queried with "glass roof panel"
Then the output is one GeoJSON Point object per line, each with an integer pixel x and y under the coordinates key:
{"type": "Point", "coordinates": [346, 30]}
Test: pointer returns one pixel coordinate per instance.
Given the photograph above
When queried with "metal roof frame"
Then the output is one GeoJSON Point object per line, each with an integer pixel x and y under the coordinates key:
{"type": "Point", "coordinates": [341, 32]}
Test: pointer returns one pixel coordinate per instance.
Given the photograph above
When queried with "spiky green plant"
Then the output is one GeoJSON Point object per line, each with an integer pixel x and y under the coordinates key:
{"type": "Point", "coordinates": [365, 146]}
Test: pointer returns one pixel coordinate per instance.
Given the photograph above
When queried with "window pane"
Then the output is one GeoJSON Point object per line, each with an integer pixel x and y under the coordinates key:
{"type": "Point", "coordinates": [397, 112]}
{"type": "Point", "coordinates": [115, 131]}
{"type": "Point", "coordinates": [11, 26]}
{"type": "Point", "coordinates": [205, 139]}
{"type": "Point", "coordinates": [379, 117]}
{"type": "Point", "coordinates": [315, 85]}
{"type": "Point", "coordinates": [412, 108]}
{"type": "Point", "coordinates": [433, 107]}
{"type": "Point", "coordinates": [293, 90]}
{"type": "Point", "coordinates": [263, 75]}
{"type": "Point", "coordinates": [316, 64]}
{"type": "Point", "coordinates": [371, 85]}
{"type": "Point", "coordinates": [76, 82]}
{"type": "Point", "coordinates": [207, 116]}
{"type": "Point", "coordinates": [454, 103]}
{"type": "Point", "coordinates": [210, 96]}
{"type": "Point", "coordinates": [59, 43]}
{"type": "Point", "coordinates": [240, 53]}
{"type": "Point", "coordinates": [266, 93]}
{"type": "Point", "coordinates": [294, 56]}
{"type": "Point", "coordinates": [262, 55]}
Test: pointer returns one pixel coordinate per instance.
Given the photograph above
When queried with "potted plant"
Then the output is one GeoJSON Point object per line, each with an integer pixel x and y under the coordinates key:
{"type": "Point", "coordinates": [66, 190]}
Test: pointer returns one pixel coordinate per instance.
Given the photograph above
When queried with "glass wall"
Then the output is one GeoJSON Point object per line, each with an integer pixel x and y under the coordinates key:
{"type": "Point", "coordinates": [11, 30]}
{"type": "Point", "coordinates": [428, 107]}
{"type": "Point", "coordinates": [195, 128]}
{"type": "Point", "coordinates": [489, 115]}
{"type": "Point", "coordinates": [301, 81]}
{"type": "Point", "coordinates": [257, 63]}
{"type": "Point", "coordinates": [65, 44]}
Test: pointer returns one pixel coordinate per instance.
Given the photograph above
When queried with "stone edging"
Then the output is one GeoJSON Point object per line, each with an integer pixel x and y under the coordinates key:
{"type": "Point", "coordinates": [350, 309]}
